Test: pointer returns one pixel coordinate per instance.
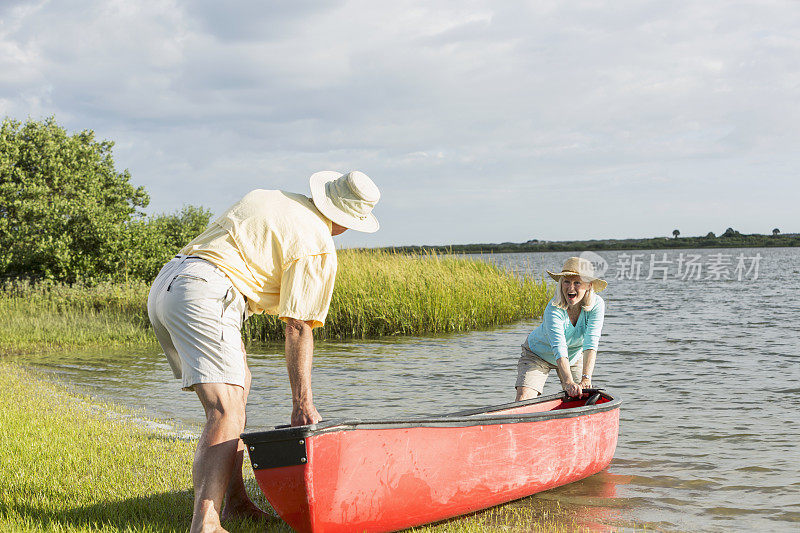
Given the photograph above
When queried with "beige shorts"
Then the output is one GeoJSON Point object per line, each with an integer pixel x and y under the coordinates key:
{"type": "Point", "coordinates": [197, 315]}
{"type": "Point", "coordinates": [532, 370]}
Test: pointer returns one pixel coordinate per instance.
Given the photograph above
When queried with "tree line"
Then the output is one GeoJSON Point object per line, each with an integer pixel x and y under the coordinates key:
{"type": "Point", "coordinates": [729, 239]}
{"type": "Point", "coordinates": [67, 215]}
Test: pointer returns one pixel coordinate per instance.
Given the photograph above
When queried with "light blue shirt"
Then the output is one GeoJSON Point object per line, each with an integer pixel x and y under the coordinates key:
{"type": "Point", "coordinates": [556, 337]}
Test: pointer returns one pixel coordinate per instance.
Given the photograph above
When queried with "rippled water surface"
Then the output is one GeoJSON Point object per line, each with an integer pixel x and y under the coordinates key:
{"type": "Point", "coordinates": [708, 370]}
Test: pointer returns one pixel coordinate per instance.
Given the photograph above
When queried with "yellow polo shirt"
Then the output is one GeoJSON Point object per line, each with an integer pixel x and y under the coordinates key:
{"type": "Point", "coordinates": [277, 249]}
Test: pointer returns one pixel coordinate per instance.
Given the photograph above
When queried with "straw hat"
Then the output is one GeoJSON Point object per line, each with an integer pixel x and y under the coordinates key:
{"type": "Point", "coordinates": [346, 199]}
{"type": "Point", "coordinates": [576, 266]}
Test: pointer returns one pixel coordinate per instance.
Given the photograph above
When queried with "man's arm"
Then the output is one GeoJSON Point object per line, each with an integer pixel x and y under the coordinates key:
{"type": "Point", "coordinates": [299, 354]}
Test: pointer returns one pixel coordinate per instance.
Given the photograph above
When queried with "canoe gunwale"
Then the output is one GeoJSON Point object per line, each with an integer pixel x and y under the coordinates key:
{"type": "Point", "coordinates": [475, 417]}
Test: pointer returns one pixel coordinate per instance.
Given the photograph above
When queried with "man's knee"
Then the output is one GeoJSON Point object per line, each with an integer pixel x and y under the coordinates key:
{"type": "Point", "coordinates": [233, 413]}
{"type": "Point", "coordinates": [222, 402]}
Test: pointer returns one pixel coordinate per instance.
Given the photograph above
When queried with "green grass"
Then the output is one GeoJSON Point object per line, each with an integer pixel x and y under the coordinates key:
{"type": "Point", "coordinates": [50, 317]}
{"type": "Point", "coordinates": [377, 293]}
{"type": "Point", "coordinates": [69, 464]}
{"type": "Point", "coordinates": [514, 516]}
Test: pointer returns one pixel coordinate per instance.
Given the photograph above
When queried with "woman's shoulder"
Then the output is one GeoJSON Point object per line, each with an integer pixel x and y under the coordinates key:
{"type": "Point", "coordinates": [598, 304]}
{"type": "Point", "coordinates": [553, 310]}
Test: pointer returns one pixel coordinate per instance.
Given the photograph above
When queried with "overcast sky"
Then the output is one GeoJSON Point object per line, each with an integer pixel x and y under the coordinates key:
{"type": "Point", "coordinates": [481, 121]}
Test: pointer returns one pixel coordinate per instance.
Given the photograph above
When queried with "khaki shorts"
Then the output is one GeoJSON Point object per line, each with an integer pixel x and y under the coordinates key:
{"type": "Point", "coordinates": [532, 370]}
{"type": "Point", "coordinates": [197, 315]}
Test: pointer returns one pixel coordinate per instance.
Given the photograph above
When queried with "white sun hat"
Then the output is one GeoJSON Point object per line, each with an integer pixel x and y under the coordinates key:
{"type": "Point", "coordinates": [346, 199]}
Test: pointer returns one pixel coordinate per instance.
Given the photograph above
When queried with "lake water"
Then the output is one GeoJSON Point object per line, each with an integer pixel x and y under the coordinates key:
{"type": "Point", "coordinates": [707, 363]}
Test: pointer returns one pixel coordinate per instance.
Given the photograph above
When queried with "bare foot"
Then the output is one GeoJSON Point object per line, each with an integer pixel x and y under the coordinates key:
{"type": "Point", "coordinates": [214, 529]}
{"type": "Point", "coordinates": [244, 509]}
{"type": "Point", "coordinates": [207, 524]}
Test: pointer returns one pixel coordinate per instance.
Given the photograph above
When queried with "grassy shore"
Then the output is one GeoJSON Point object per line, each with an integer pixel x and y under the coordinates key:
{"type": "Point", "coordinates": [377, 293]}
{"type": "Point", "coordinates": [70, 464]}
{"type": "Point", "coordinates": [50, 317]}
{"type": "Point", "coordinates": [73, 465]}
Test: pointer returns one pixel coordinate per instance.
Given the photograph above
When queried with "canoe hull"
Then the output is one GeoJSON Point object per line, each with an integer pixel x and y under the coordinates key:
{"type": "Point", "coordinates": [373, 478]}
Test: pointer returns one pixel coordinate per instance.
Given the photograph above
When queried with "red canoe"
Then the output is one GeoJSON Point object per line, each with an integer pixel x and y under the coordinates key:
{"type": "Point", "coordinates": [367, 475]}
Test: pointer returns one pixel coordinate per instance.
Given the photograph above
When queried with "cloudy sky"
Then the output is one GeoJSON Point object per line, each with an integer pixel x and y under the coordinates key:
{"type": "Point", "coordinates": [481, 121]}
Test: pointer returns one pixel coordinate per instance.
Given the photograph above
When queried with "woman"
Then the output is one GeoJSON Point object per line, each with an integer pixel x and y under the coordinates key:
{"type": "Point", "coordinates": [569, 334]}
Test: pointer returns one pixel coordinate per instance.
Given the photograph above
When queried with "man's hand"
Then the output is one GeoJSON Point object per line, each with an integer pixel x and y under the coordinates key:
{"type": "Point", "coordinates": [305, 414]}
{"type": "Point", "coordinates": [573, 389]}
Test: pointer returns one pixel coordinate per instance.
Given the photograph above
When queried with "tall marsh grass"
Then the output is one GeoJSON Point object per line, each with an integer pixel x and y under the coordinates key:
{"type": "Point", "coordinates": [48, 316]}
{"type": "Point", "coordinates": [377, 293]}
{"type": "Point", "coordinates": [382, 293]}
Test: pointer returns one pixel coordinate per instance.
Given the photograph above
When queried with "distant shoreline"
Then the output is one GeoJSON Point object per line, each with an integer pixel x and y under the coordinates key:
{"type": "Point", "coordinates": [729, 239]}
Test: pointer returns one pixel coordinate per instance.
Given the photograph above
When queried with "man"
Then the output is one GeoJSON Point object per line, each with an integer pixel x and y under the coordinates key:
{"type": "Point", "coordinates": [271, 252]}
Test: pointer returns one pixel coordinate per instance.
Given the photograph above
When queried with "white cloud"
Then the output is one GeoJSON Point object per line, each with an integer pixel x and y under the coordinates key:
{"type": "Point", "coordinates": [473, 116]}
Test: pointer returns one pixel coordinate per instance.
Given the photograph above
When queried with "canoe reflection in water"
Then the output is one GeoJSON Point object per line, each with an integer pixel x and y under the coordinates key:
{"type": "Point", "coordinates": [592, 503]}
{"type": "Point", "coordinates": [370, 475]}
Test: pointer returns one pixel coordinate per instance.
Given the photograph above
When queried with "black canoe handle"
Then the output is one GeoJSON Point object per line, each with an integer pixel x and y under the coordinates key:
{"type": "Point", "coordinates": [594, 395]}
{"type": "Point", "coordinates": [592, 399]}
{"type": "Point", "coordinates": [590, 390]}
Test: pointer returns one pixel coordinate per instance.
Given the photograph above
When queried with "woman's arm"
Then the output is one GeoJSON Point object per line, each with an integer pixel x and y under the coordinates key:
{"type": "Point", "coordinates": [588, 367]}
{"type": "Point", "coordinates": [594, 325]}
{"type": "Point", "coordinates": [554, 323]}
{"type": "Point", "coordinates": [591, 340]}
{"type": "Point", "coordinates": [564, 374]}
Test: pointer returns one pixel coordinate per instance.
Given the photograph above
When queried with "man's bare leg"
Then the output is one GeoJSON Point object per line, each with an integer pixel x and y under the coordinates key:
{"type": "Point", "coordinates": [237, 502]}
{"type": "Point", "coordinates": [215, 456]}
